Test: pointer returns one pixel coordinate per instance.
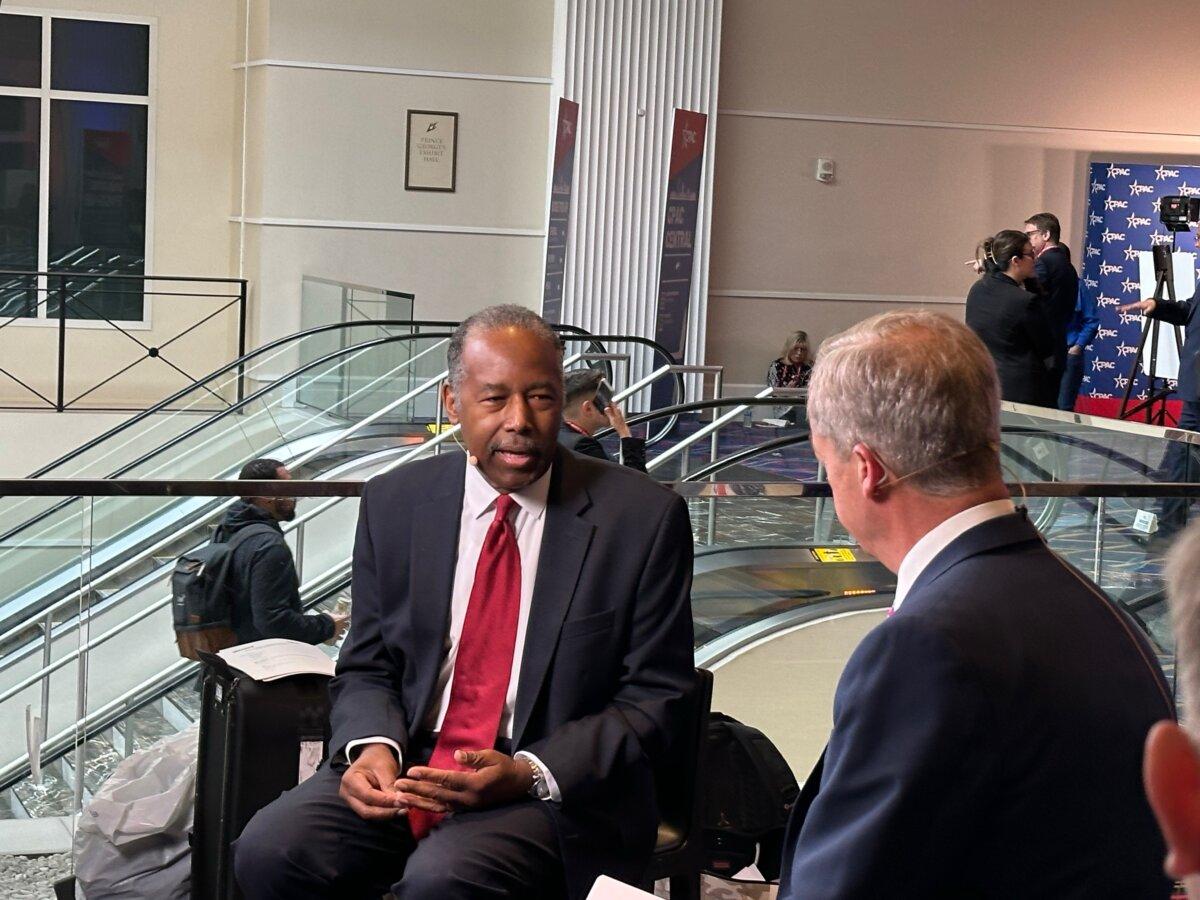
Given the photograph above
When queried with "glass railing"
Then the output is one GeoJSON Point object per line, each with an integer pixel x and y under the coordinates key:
{"type": "Point", "coordinates": [104, 679]}
{"type": "Point", "coordinates": [36, 555]}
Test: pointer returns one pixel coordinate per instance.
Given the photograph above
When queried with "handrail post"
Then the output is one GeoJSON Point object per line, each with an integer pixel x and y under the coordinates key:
{"type": "Point", "coordinates": [437, 401]}
{"type": "Point", "coordinates": [300, 552]}
{"type": "Point", "coordinates": [1098, 561]}
{"type": "Point", "coordinates": [241, 379]}
{"type": "Point", "coordinates": [62, 338]}
{"type": "Point", "coordinates": [46, 660]}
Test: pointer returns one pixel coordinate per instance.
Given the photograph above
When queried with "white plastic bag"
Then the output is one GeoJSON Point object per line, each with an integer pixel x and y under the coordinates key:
{"type": "Point", "coordinates": [132, 839]}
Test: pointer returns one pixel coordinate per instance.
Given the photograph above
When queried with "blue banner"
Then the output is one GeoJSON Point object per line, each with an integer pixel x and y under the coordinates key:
{"type": "Point", "coordinates": [1123, 220]}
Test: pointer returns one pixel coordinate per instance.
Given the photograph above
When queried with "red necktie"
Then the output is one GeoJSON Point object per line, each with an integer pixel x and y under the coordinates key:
{"type": "Point", "coordinates": [485, 655]}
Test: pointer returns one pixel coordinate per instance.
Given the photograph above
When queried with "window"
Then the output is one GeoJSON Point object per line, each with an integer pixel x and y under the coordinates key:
{"type": "Point", "coordinates": [75, 128]}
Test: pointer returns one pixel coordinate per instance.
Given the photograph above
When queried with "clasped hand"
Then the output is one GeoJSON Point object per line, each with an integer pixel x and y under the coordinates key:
{"type": "Point", "coordinates": [373, 788]}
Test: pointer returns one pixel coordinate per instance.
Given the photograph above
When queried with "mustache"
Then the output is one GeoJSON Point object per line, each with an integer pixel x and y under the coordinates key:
{"type": "Point", "coordinates": [514, 447]}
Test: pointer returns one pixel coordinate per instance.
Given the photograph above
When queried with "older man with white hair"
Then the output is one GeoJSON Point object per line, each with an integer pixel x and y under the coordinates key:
{"type": "Point", "coordinates": [987, 736]}
{"type": "Point", "coordinates": [1172, 765]}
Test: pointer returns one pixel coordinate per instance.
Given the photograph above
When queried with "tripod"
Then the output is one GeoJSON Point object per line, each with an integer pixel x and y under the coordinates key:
{"type": "Point", "coordinates": [1155, 405]}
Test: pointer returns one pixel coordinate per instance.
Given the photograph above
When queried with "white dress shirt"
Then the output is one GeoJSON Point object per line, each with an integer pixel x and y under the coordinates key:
{"type": "Point", "coordinates": [937, 539]}
{"type": "Point", "coordinates": [528, 521]}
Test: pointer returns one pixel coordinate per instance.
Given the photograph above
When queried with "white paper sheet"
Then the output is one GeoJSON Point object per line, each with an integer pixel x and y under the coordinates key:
{"type": "Point", "coordinates": [1184, 272]}
{"type": "Point", "coordinates": [277, 658]}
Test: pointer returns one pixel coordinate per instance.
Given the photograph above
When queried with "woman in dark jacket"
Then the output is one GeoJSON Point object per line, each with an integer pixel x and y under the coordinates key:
{"type": "Point", "coordinates": [1011, 321]}
{"type": "Point", "coordinates": [791, 370]}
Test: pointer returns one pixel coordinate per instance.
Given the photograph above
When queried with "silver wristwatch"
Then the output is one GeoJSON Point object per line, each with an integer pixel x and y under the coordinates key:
{"type": "Point", "coordinates": [539, 790]}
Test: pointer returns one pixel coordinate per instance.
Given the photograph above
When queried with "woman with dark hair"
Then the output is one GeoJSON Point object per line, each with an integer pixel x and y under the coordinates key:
{"type": "Point", "coordinates": [1012, 322]}
{"type": "Point", "coordinates": [791, 369]}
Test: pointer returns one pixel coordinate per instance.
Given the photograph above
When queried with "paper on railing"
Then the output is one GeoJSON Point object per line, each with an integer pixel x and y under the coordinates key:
{"type": "Point", "coordinates": [277, 658]}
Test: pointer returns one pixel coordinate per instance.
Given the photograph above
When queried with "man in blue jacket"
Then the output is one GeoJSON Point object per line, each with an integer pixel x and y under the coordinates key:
{"type": "Point", "coordinates": [266, 585]}
{"type": "Point", "coordinates": [987, 736]}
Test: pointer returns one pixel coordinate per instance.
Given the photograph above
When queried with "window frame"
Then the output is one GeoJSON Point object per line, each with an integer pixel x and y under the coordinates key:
{"type": "Point", "coordinates": [44, 94]}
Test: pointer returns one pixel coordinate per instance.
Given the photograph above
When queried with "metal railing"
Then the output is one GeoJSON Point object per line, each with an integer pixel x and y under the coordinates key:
{"type": "Point", "coordinates": [79, 297]}
{"type": "Point", "coordinates": [334, 492]}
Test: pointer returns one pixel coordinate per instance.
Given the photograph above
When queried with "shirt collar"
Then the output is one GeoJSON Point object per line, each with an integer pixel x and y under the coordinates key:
{"type": "Point", "coordinates": [479, 496]}
{"type": "Point", "coordinates": [940, 537]}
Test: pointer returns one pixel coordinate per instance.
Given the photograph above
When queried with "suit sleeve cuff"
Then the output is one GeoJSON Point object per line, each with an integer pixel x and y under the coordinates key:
{"type": "Point", "coordinates": [551, 785]}
{"type": "Point", "coordinates": [351, 746]}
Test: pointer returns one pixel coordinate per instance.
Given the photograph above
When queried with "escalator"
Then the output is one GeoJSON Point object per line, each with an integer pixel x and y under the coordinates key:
{"type": "Point", "coordinates": [112, 615]}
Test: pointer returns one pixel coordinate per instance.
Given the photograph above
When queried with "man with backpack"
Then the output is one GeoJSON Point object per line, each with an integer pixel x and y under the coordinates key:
{"type": "Point", "coordinates": [262, 584]}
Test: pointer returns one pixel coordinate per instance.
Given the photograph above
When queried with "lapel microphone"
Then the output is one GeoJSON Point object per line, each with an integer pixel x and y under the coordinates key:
{"type": "Point", "coordinates": [472, 459]}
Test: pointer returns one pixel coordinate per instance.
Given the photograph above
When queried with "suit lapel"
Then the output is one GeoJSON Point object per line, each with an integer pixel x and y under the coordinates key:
{"type": "Point", "coordinates": [565, 540]}
{"type": "Point", "coordinates": [431, 573]}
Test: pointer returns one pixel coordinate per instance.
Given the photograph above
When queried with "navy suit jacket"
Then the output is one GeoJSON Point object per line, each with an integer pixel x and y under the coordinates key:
{"type": "Point", "coordinates": [1183, 312]}
{"type": "Point", "coordinates": [608, 653]}
{"type": "Point", "coordinates": [987, 741]}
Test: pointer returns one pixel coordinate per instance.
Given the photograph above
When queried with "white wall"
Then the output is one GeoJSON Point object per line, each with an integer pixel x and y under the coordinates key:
{"type": "Point", "coordinates": [325, 155]}
{"type": "Point", "coordinates": [945, 127]}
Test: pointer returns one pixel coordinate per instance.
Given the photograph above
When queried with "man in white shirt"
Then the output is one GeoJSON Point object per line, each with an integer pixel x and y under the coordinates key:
{"type": "Point", "coordinates": [986, 735]}
{"type": "Point", "coordinates": [520, 654]}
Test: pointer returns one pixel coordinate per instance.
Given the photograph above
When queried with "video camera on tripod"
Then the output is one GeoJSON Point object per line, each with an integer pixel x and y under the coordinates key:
{"type": "Point", "coordinates": [1177, 214]}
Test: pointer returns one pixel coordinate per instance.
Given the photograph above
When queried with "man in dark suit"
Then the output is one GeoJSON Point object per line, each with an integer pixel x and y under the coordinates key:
{"type": "Point", "coordinates": [1059, 283]}
{"type": "Point", "coordinates": [987, 736]}
{"type": "Point", "coordinates": [587, 408]}
{"type": "Point", "coordinates": [521, 645]}
{"type": "Point", "coordinates": [1180, 462]}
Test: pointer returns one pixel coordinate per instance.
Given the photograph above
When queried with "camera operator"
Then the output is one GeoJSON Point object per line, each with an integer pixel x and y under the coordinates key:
{"type": "Point", "coordinates": [1180, 462]}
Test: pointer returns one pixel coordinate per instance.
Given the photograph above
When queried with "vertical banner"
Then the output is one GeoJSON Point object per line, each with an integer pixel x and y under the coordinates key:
{"type": "Point", "coordinates": [679, 238]}
{"type": "Point", "coordinates": [1122, 224]}
{"type": "Point", "coordinates": [561, 186]}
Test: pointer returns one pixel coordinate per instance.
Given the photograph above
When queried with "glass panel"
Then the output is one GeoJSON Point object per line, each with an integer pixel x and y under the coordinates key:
{"type": "Point", "coordinates": [98, 207]}
{"type": "Point", "coordinates": [20, 51]}
{"type": "Point", "coordinates": [19, 149]}
{"type": "Point", "coordinates": [100, 57]}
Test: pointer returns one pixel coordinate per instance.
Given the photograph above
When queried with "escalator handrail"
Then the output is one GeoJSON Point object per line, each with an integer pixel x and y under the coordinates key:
{"type": "Point", "coordinates": [247, 357]}
{"type": "Point", "coordinates": [228, 411]}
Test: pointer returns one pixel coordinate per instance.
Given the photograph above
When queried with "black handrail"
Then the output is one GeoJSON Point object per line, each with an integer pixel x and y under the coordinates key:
{"type": "Point", "coordinates": [229, 410]}
{"type": "Point", "coordinates": [90, 487]}
{"type": "Point", "coordinates": [95, 277]}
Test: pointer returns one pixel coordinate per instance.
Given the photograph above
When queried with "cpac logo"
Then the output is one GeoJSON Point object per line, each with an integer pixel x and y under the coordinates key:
{"type": "Point", "coordinates": [1106, 333]}
{"type": "Point", "coordinates": [1162, 173]}
{"type": "Point", "coordinates": [1091, 283]}
{"type": "Point", "coordinates": [1087, 379]}
{"type": "Point", "coordinates": [1129, 318]}
{"type": "Point", "coordinates": [1131, 252]}
{"type": "Point", "coordinates": [1114, 171]}
{"type": "Point", "coordinates": [1098, 395]}
{"type": "Point", "coordinates": [1137, 221]}
{"type": "Point", "coordinates": [1109, 236]}
{"type": "Point", "coordinates": [1103, 365]}
{"type": "Point", "coordinates": [1126, 349]}
{"type": "Point", "coordinates": [689, 136]}
{"type": "Point", "coordinates": [1156, 239]}
{"type": "Point", "coordinates": [1111, 269]}
{"type": "Point", "coordinates": [1186, 190]}
{"type": "Point", "coordinates": [1136, 190]}
{"type": "Point", "coordinates": [1105, 300]}
{"type": "Point", "coordinates": [1121, 382]}
{"type": "Point", "coordinates": [1095, 218]}
{"type": "Point", "coordinates": [1111, 203]}
{"type": "Point", "coordinates": [1156, 203]}
{"type": "Point", "coordinates": [1098, 188]}
{"type": "Point", "coordinates": [1129, 286]}
{"type": "Point", "coordinates": [1093, 251]}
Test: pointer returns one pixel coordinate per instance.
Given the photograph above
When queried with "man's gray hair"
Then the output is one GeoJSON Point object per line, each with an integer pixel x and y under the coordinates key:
{"type": "Point", "coordinates": [1183, 589]}
{"type": "Point", "coordinates": [493, 317]}
{"type": "Point", "coordinates": [919, 389]}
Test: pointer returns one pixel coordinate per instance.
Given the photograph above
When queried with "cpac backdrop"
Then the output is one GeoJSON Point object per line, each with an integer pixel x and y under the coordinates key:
{"type": "Point", "coordinates": [1123, 200]}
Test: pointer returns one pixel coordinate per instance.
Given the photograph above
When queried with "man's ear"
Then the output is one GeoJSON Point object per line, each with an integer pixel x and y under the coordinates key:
{"type": "Point", "coordinates": [869, 469]}
{"type": "Point", "coordinates": [1171, 772]}
{"type": "Point", "coordinates": [450, 402]}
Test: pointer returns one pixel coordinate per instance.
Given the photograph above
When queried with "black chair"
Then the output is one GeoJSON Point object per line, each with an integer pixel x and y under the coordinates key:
{"type": "Point", "coordinates": [679, 852]}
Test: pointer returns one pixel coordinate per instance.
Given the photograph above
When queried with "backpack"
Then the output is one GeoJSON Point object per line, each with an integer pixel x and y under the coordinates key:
{"type": "Point", "coordinates": [747, 801]}
{"type": "Point", "coordinates": [202, 595]}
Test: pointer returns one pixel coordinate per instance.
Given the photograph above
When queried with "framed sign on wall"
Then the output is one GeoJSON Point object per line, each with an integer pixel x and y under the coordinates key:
{"type": "Point", "coordinates": [432, 150]}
